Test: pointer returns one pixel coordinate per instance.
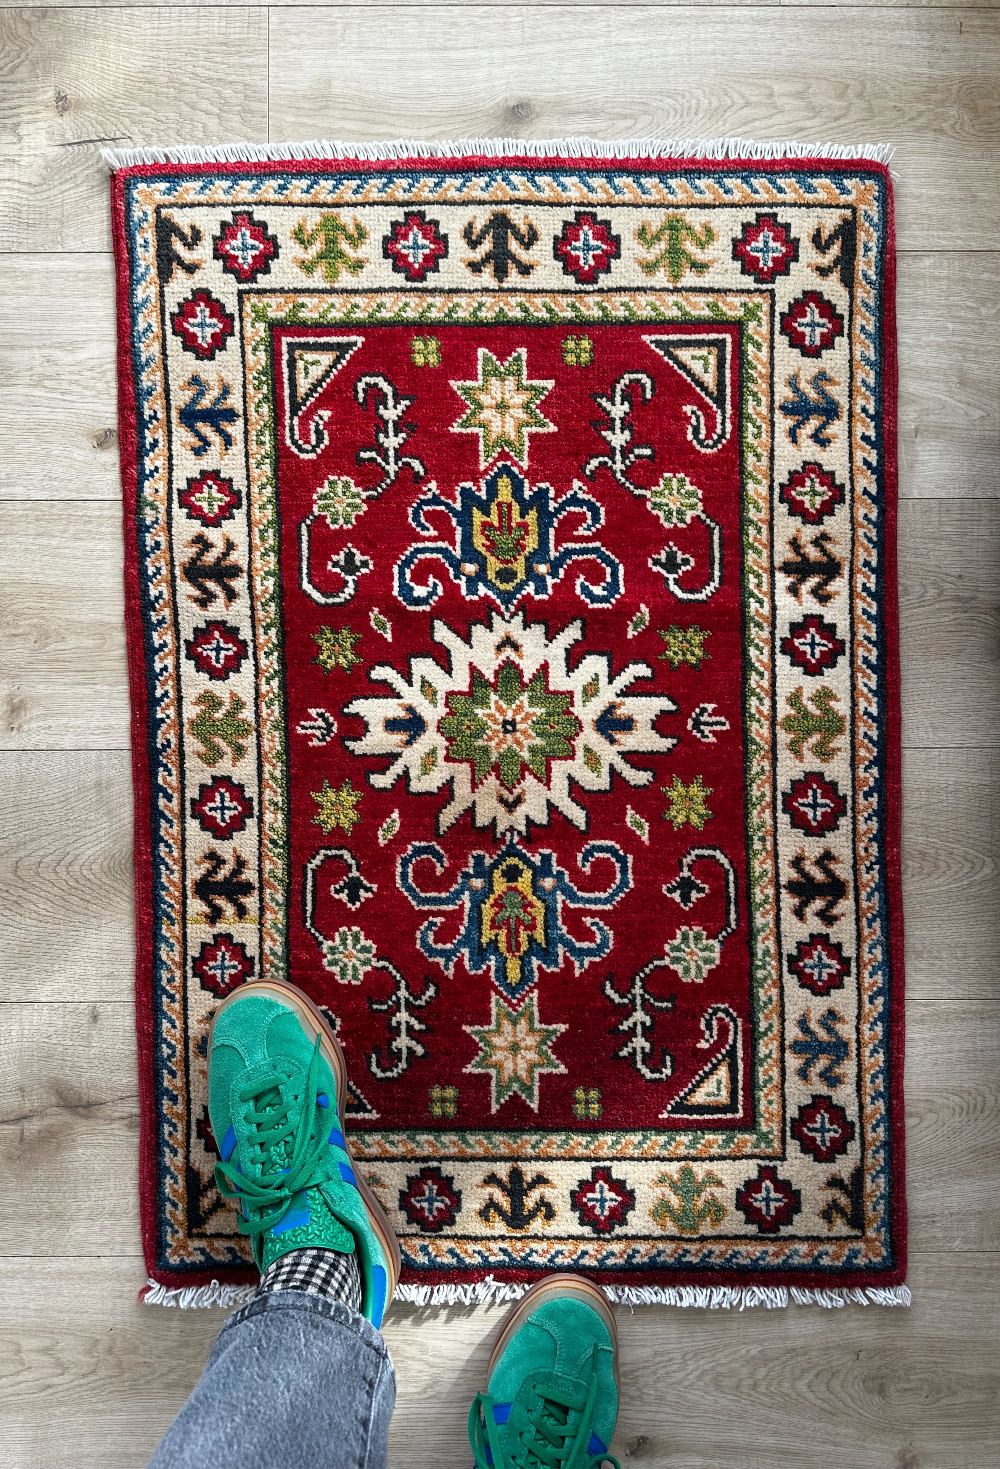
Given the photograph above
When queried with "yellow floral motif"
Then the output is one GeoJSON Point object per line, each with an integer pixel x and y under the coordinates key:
{"type": "Point", "coordinates": [513, 918]}
{"type": "Point", "coordinates": [587, 1103]}
{"type": "Point", "coordinates": [336, 808]}
{"type": "Point", "coordinates": [684, 645]}
{"type": "Point", "coordinates": [688, 803]}
{"type": "Point", "coordinates": [336, 648]}
{"type": "Point", "coordinates": [425, 352]}
{"type": "Point", "coordinates": [443, 1100]}
{"type": "Point", "coordinates": [577, 351]}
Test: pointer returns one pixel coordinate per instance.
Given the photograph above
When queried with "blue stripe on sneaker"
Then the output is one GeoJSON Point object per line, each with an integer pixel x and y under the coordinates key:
{"type": "Point", "coordinates": [228, 1145]}
{"type": "Point", "coordinates": [380, 1286]}
{"type": "Point", "coordinates": [322, 1100]}
{"type": "Point", "coordinates": [337, 1138]}
{"type": "Point", "coordinates": [297, 1215]}
{"type": "Point", "coordinates": [595, 1446]}
{"type": "Point", "coordinates": [501, 1412]}
{"type": "Point", "coordinates": [347, 1173]}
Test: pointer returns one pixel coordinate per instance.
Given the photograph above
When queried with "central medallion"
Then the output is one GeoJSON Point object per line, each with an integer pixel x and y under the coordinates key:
{"type": "Point", "coordinates": [509, 726]}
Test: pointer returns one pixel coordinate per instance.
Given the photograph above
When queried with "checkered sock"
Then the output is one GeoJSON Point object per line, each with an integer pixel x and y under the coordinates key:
{"type": "Point", "coordinates": [320, 1272]}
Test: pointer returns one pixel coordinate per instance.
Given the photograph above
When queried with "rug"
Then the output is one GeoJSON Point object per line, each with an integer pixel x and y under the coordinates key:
{"type": "Point", "coordinates": [512, 634]}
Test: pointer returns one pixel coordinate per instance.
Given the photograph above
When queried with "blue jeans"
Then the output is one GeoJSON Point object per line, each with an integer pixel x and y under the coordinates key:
{"type": "Point", "coordinates": [294, 1381]}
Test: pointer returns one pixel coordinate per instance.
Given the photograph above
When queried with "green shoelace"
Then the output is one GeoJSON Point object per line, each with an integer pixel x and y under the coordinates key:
{"type": "Point", "coordinates": [554, 1440]}
{"type": "Point", "coordinates": [289, 1152]}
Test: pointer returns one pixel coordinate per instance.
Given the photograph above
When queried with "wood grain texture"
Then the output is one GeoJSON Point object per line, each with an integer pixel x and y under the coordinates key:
{"type": "Point", "coordinates": [66, 871]}
{"type": "Point", "coordinates": [949, 616]}
{"type": "Point", "coordinates": [63, 679]}
{"type": "Point", "coordinates": [872, 1389]}
{"type": "Point", "coordinates": [58, 394]}
{"type": "Point", "coordinates": [958, 5]}
{"type": "Point", "coordinates": [66, 868]}
{"type": "Point", "coordinates": [57, 401]}
{"type": "Point", "coordinates": [922, 79]}
{"type": "Point", "coordinates": [949, 407]}
{"type": "Point", "coordinates": [69, 1131]}
{"type": "Point", "coordinates": [69, 1114]}
{"type": "Point", "coordinates": [951, 863]}
{"type": "Point", "coordinates": [62, 640]}
{"type": "Point", "coordinates": [75, 80]}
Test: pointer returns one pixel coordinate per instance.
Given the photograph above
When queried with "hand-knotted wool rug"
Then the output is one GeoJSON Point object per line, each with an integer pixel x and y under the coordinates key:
{"type": "Point", "coordinates": [512, 626]}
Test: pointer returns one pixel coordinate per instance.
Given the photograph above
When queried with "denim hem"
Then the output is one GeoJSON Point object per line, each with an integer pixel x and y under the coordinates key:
{"type": "Point", "coordinates": [325, 1306]}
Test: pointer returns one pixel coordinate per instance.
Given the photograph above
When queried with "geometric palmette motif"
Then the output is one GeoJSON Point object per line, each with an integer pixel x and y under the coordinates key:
{"type": "Point", "coordinates": [514, 673]}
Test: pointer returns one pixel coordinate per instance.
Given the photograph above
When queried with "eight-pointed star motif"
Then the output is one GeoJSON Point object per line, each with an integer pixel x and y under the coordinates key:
{"type": "Point", "coordinates": [502, 406]}
{"type": "Point", "coordinates": [515, 1050]}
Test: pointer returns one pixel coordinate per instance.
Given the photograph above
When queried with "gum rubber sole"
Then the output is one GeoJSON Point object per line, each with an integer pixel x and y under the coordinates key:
{"type": "Point", "coordinates": [314, 1023]}
{"type": "Point", "coordinates": [554, 1288]}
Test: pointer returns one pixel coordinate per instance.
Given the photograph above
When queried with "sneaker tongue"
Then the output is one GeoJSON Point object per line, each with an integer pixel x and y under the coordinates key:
{"type": "Point", "coordinates": [272, 1106]}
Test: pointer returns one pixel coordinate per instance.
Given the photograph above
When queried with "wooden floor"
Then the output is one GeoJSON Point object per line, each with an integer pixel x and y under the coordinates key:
{"type": "Point", "coordinates": [89, 1377]}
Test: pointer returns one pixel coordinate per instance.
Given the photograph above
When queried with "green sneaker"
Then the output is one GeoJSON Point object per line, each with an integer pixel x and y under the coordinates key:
{"type": "Point", "coordinates": [276, 1083]}
{"type": "Point", "coordinates": [552, 1399]}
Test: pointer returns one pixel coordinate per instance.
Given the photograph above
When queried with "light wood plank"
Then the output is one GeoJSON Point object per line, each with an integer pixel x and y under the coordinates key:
{"type": "Point", "coordinates": [949, 408]}
{"type": "Point", "coordinates": [84, 1365]}
{"type": "Point", "coordinates": [66, 910]}
{"type": "Point", "coordinates": [58, 403]}
{"type": "Point", "coordinates": [949, 612]}
{"type": "Point", "coordinates": [79, 79]}
{"type": "Point", "coordinates": [922, 79]}
{"type": "Point", "coordinates": [66, 869]}
{"type": "Point", "coordinates": [69, 1131]}
{"type": "Point", "coordinates": [951, 861]}
{"type": "Point", "coordinates": [57, 400]}
{"type": "Point", "coordinates": [63, 678]}
{"type": "Point", "coordinates": [68, 1114]}
{"type": "Point", "coordinates": [81, 1364]}
{"type": "Point", "coordinates": [62, 646]}
{"type": "Point", "coordinates": [958, 5]}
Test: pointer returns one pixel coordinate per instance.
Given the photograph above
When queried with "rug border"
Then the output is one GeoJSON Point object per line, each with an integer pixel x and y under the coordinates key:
{"type": "Point", "coordinates": [855, 162]}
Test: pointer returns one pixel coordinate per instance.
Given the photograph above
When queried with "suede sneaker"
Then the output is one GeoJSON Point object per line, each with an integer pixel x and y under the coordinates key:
{"type": "Point", "coordinates": [552, 1395]}
{"type": "Point", "coordinates": [276, 1082]}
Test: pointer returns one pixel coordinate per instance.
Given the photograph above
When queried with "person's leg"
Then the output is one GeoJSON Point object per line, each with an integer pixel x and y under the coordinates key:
{"type": "Point", "coordinates": [300, 1376]}
{"type": "Point", "coordinates": [294, 1381]}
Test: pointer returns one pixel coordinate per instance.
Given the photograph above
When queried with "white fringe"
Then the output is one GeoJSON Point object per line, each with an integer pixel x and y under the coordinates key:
{"type": "Point", "coordinates": [580, 147]}
{"type": "Point", "coordinates": [492, 1292]}
{"type": "Point", "coordinates": [194, 1297]}
{"type": "Point", "coordinates": [710, 1298]}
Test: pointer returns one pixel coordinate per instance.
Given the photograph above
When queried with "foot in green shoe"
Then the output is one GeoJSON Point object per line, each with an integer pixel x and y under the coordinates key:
{"type": "Point", "coordinates": [276, 1083]}
{"type": "Point", "coordinates": [552, 1398]}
